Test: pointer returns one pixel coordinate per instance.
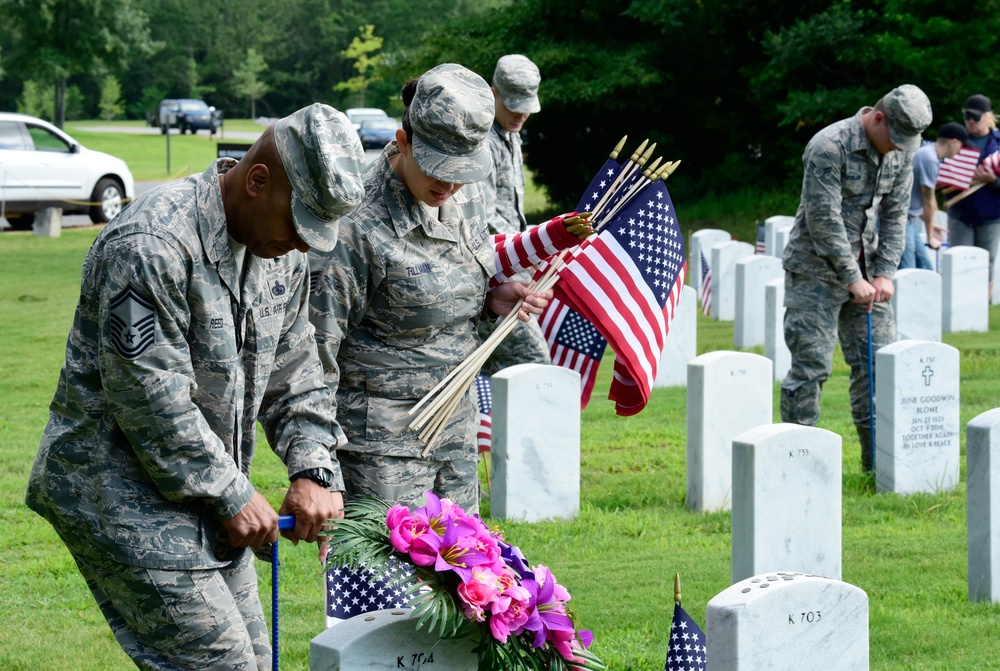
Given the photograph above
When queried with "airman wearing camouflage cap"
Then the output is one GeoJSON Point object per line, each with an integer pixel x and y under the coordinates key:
{"type": "Point", "coordinates": [192, 326]}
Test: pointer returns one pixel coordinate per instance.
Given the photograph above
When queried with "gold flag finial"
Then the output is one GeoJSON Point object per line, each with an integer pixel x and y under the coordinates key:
{"type": "Point", "coordinates": [618, 148]}
{"type": "Point", "coordinates": [645, 156]}
{"type": "Point", "coordinates": [673, 166]}
{"type": "Point", "coordinates": [638, 152]}
{"type": "Point", "coordinates": [650, 171]}
{"type": "Point", "coordinates": [677, 587]}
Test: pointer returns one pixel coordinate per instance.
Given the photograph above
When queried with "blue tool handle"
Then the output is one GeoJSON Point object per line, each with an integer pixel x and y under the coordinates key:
{"type": "Point", "coordinates": [286, 522]}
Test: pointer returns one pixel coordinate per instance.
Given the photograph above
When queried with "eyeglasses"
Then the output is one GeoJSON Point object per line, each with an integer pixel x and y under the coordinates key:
{"type": "Point", "coordinates": [973, 116]}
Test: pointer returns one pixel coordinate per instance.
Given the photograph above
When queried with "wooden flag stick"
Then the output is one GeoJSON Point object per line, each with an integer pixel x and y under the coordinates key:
{"type": "Point", "coordinates": [968, 192]}
{"type": "Point", "coordinates": [636, 160]}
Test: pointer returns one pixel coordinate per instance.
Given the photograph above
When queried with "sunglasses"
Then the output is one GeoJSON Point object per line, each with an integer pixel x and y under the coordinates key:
{"type": "Point", "coordinates": [973, 116]}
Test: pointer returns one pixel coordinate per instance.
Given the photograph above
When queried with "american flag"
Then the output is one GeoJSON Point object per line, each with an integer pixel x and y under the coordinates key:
{"type": "Point", "coordinates": [574, 343]}
{"type": "Point", "coordinates": [484, 398]}
{"type": "Point", "coordinates": [957, 172]}
{"type": "Point", "coordinates": [627, 282]}
{"type": "Point", "coordinates": [350, 593]}
{"type": "Point", "coordinates": [600, 185]}
{"type": "Point", "coordinates": [706, 286]}
{"type": "Point", "coordinates": [761, 246]}
{"type": "Point", "coordinates": [686, 650]}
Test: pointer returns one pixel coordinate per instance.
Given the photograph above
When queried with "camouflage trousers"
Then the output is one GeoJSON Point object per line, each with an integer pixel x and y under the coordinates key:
{"type": "Point", "coordinates": [403, 480]}
{"type": "Point", "coordinates": [811, 335]}
{"type": "Point", "coordinates": [183, 620]}
{"type": "Point", "coordinates": [525, 344]}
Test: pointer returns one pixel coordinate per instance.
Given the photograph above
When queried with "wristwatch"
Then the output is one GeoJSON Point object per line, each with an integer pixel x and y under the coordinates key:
{"type": "Point", "coordinates": [321, 476]}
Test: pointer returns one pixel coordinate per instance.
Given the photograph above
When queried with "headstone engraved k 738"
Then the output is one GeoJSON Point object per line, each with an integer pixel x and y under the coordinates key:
{"type": "Point", "coordinates": [965, 291]}
{"type": "Point", "coordinates": [388, 639]}
{"type": "Point", "coordinates": [772, 225]}
{"type": "Point", "coordinates": [916, 304]}
{"type": "Point", "coordinates": [916, 417]}
{"type": "Point", "coordinates": [536, 443]}
{"type": "Point", "coordinates": [982, 449]}
{"type": "Point", "coordinates": [788, 622]}
{"type": "Point", "coordinates": [786, 501]}
{"type": "Point", "coordinates": [681, 344]}
{"type": "Point", "coordinates": [775, 348]}
{"type": "Point", "coordinates": [728, 393]}
{"type": "Point", "coordinates": [724, 258]}
{"type": "Point", "coordinates": [752, 275]}
{"type": "Point", "coordinates": [701, 243]}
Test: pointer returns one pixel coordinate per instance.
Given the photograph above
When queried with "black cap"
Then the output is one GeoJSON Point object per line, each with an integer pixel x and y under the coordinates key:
{"type": "Point", "coordinates": [979, 103]}
{"type": "Point", "coordinates": [953, 131]}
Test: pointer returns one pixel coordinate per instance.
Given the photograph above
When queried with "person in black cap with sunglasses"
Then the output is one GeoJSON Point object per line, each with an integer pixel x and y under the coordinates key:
{"type": "Point", "coordinates": [975, 220]}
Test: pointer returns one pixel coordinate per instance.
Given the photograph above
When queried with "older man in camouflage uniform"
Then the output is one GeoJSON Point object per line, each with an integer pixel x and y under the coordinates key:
{"type": "Point", "coordinates": [192, 325]}
{"type": "Point", "coordinates": [397, 302]}
{"type": "Point", "coordinates": [844, 248]}
{"type": "Point", "coordinates": [515, 92]}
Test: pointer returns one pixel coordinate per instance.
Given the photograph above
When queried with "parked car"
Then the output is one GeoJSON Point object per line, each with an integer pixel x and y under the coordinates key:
{"type": "Point", "coordinates": [377, 134]}
{"type": "Point", "coordinates": [359, 114]}
{"type": "Point", "coordinates": [41, 166]}
{"type": "Point", "coordinates": [187, 115]}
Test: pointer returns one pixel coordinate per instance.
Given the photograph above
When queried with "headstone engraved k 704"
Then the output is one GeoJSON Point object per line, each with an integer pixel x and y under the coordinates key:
{"type": "Point", "coordinates": [724, 258]}
{"type": "Point", "coordinates": [916, 304]}
{"type": "Point", "coordinates": [388, 639]}
{"type": "Point", "coordinates": [728, 393]}
{"type": "Point", "coordinates": [701, 243]}
{"type": "Point", "coordinates": [775, 348]}
{"type": "Point", "coordinates": [772, 225]}
{"type": "Point", "coordinates": [786, 501]}
{"type": "Point", "coordinates": [965, 291]}
{"type": "Point", "coordinates": [788, 622]}
{"type": "Point", "coordinates": [752, 275]}
{"type": "Point", "coordinates": [916, 417]}
{"type": "Point", "coordinates": [982, 449]}
{"type": "Point", "coordinates": [681, 344]}
{"type": "Point", "coordinates": [536, 443]}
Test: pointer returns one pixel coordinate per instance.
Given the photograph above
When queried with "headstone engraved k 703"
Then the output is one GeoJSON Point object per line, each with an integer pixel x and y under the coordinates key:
{"type": "Point", "coordinates": [388, 639]}
{"type": "Point", "coordinates": [775, 348]}
{"type": "Point", "coordinates": [681, 344]}
{"type": "Point", "coordinates": [916, 417]}
{"type": "Point", "coordinates": [982, 449]}
{"type": "Point", "coordinates": [728, 393]}
{"type": "Point", "coordinates": [965, 291]}
{"type": "Point", "coordinates": [916, 304]}
{"type": "Point", "coordinates": [724, 258]}
{"type": "Point", "coordinates": [786, 501]}
{"type": "Point", "coordinates": [788, 622]}
{"type": "Point", "coordinates": [701, 243]}
{"type": "Point", "coordinates": [536, 443]}
{"type": "Point", "coordinates": [752, 275]}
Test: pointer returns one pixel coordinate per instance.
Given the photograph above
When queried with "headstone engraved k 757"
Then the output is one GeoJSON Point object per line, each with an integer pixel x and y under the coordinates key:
{"type": "Point", "coordinates": [786, 501]}
{"type": "Point", "coordinates": [775, 348]}
{"type": "Point", "coordinates": [728, 393]}
{"type": "Point", "coordinates": [752, 275]}
{"type": "Point", "coordinates": [724, 258]}
{"type": "Point", "coordinates": [681, 344]}
{"type": "Point", "coordinates": [982, 448]}
{"type": "Point", "coordinates": [388, 639]}
{"type": "Point", "coordinates": [916, 304]}
{"type": "Point", "coordinates": [701, 243]}
{"type": "Point", "coordinates": [965, 291]}
{"type": "Point", "coordinates": [536, 443]}
{"type": "Point", "coordinates": [916, 417]}
{"type": "Point", "coordinates": [788, 622]}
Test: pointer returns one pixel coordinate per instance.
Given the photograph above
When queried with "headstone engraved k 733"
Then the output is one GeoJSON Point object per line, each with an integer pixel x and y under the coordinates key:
{"type": "Point", "coordinates": [916, 304]}
{"type": "Point", "coordinates": [536, 443]}
{"type": "Point", "coordinates": [788, 622]}
{"type": "Point", "coordinates": [681, 344]}
{"type": "Point", "coordinates": [917, 417]}
{"type": "Point", "coordinates": [752, 275]}
{"type": "Point", "coordinates": [775, 348]}
{"type": "Point", "coordinates": [965, 291]}
{"type": "Point", "coordinates": [982, 449]}
{"type": "Point", "coordinates": [724, 258]}
{"type": "Point", "coordinates": [701, 243]}
{"type": "Point", "coordinates": [388, 639]}
{"type": "Point", "coordinates": [786, 501]}
{"type": "Point", "coordinates": [728, 393]}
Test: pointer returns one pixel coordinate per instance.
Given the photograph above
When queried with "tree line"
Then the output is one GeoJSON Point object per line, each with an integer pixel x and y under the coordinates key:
{"type": "Point", "coordinates": [733, 88]}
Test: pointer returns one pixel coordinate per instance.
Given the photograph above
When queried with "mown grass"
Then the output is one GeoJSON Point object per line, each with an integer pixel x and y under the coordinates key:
{"type": "Point", "coordinates": [617, 558]}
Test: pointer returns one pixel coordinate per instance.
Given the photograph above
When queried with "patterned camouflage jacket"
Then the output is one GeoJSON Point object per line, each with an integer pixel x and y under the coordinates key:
{"type": "Point", "coordinates": [503, 190]}
{"type": "Point", "coordinates": [395, 306]}
{"type": "Point", "coordinates": [847, 187]}
{"type": "Point", "coordinates": [168, 365]}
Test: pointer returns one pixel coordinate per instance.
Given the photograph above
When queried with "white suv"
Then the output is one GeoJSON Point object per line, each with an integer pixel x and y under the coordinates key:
{"type": "Point", "coordinates": [357, 115]}
{"type": "Point", "coordinates": [41, 166]}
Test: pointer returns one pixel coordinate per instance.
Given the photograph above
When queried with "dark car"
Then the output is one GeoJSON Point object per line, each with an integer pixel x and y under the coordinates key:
{"type": "Point", "coordinates": [377, 133]}
{"type": "Point", "coordinates": [188, 115]}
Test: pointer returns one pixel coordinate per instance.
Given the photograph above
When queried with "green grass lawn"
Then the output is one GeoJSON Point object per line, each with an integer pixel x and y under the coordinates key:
{"type": "Point", "coordinates": [617, 559]}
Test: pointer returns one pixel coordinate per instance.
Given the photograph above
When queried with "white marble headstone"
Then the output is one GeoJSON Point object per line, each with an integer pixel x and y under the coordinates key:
{"type": "Point", "coordinates": [965, 297]}
{"type": "Point", "coordinates": [724, 258]}
{"type": "Point", "coordinates": [771, 227]}
{"type": "Point", "coordinates": [728, 393]}
{"type": "Point", "coordinates": [781, 240]}
{"type": "Point", "coordinates": [535, 451]}
{"type": "Point", "coordinates": [48, 223]}
{"type": "Point", "coordinates": [752, 275]}
{"type": "Point", "coordinates": [681, 344]}
{"type": "Point", "coordinates": [916, 417]}
{"type": "Point", "coordinates": [786, 501]}
{"type": "Point", "coordinates": [388, 639]}
{"type": "Point", "coordinates": [775, 348]}
{"type": "Point", "coordinates": [788, 622]}
{"type": "Point", "coordinates": [995, 299]}
{"type": "Point", "coordinates": [701, 243]}
{"type": "Point", "coordinates": [916, 304]}
{"type": "Point", "coordinates": [982, 450]}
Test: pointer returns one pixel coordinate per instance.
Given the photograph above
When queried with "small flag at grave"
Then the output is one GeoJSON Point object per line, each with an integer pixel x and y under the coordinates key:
{"type": "Point", "coordinates": [350, 592]}
{"type": "Point", "coordinates": [706, 286]}
{"type": "Point", "coordinates": [574, 343]}
{"type": "Point", "coordinates": [484, 399]}
{"type": "Point", "coordinates": [686, 650]}
{"type": "Point", "coordinates": [761, 246]}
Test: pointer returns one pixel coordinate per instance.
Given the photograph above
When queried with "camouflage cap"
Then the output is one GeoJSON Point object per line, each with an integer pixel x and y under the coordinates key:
{"type": "Point", "coordinates": [323, 158]}
{"type": "Point", "coordinates": [909, 113]}
{"type": "Point", "coordinates": [516, 80]}
{"type": "Point", "coordinates": [451, 115]}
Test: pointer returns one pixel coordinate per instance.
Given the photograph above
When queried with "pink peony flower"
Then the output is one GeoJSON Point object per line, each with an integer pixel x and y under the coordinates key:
{"type": "Point", "coordinates": [482, 588]}
{"type": "Point", "coordinates": [510, 613]}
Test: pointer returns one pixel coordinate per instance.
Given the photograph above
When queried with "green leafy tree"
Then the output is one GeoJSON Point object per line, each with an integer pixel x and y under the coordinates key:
{"type": "Point", "coordinates": [362, 51]}
{"type": "Point", "coordinates": [111, 104]}
{"type": "Point", "coordinates": [247, 80]}
{"type": "Point", "coordinates": [36, 100]}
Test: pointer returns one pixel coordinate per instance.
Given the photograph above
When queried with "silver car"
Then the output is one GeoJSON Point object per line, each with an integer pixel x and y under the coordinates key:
{"type": "Point", "coordinates": [41, 166]}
